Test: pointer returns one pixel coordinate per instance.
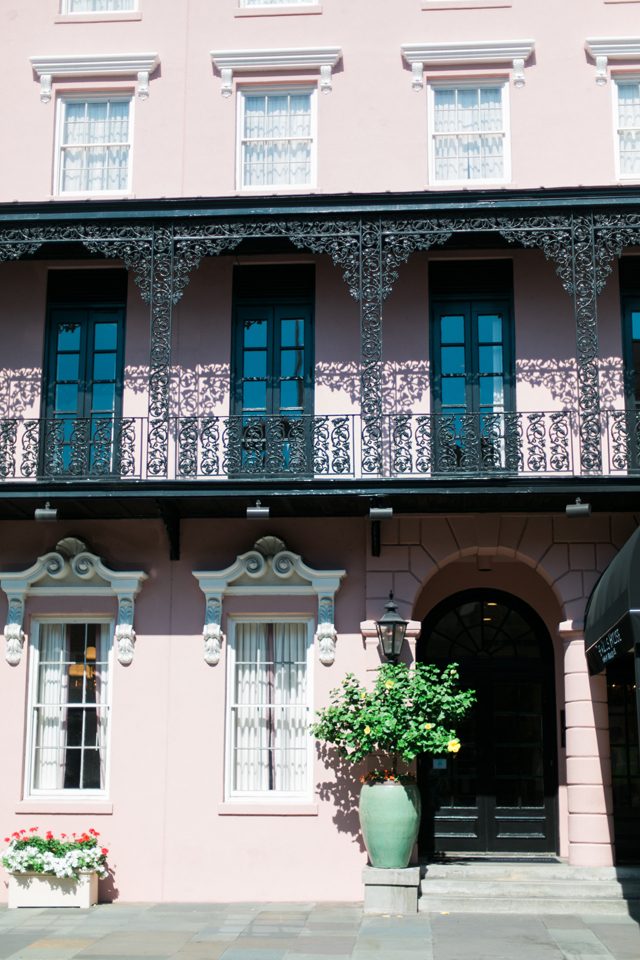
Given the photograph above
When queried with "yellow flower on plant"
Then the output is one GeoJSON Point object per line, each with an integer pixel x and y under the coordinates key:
{"type": "Point", "coordinates": [429, 726]}
{"type": "Point", "coordinates": [389, 684]}
{"type": "Point", "coordinates": [363, 694]}
{"type": "Point", "coordinates": [367, 729]}
{"type": "Point", "coordinates": [453, 746]}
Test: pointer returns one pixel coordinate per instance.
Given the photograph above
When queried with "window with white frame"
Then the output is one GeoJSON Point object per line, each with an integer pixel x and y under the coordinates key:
{"type": "Point", "coordinates": [468, 132]}
{"type": "Point", "coordinates": [269, 709]}
{"type": "Point", "coordinates": [69, 707]}
{"type": "Point", "coordinates": [628, 128]}
{"type": "Point", "coordinates": [277, 138]}
{"type": "Point", "coordinates": [94, 154]}
{"type": "Point", "coordinates": [97, 6]}
{"type": "Point", "coordinates": [275, 3]}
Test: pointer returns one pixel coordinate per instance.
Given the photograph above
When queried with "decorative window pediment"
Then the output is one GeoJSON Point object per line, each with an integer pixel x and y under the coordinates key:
{"type": "Point", "coordinates": [603, 49]}
{"type": "Point", "coordinates": [419, 55]}
{"type": "Point", "coordinates": [139, 65]}
{"type": "Point", "coordinates": [269, 569]}
{"type": "Point", "coordinates": [71, 570]}
{"type": "Point", "coordinates": [229, 62]}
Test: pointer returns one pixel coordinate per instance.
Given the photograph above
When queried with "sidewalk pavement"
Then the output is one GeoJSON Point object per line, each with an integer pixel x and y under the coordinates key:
{"type": "Point", "coordinates": [305, 931]}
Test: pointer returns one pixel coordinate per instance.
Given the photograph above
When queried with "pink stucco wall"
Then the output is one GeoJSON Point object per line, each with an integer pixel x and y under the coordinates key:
{"type": "Point", "coordinates": [169, 837]}
{"type": "Point", "coordinates": [372, 128]}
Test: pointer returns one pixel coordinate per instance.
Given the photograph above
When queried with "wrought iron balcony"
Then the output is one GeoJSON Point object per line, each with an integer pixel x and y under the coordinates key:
{"type": "Point", "coordinates": [403, 445]}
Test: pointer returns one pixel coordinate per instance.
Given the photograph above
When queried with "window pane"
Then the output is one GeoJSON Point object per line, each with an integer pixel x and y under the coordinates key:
{"type": "Point", "coordinates": [490, 359]}
{"type": "Point", "coordinates": [255, 333]}
{"type": "Point", "coordinates": [99, 6]}
{"type": "Point", "coordinates": [453, 391]}
{"type": "Point", "coordinates": [273, 151]}
{"type": "Point", "coordinates": [452, 329]}
{"type": "Point", "coordinates": [452, 360]}
{"type": "Point", "coordinates": [104, 366]}
{"type": "Point", "coordinates": [292, 333]}
{"type": "Point", "coordinates": [629, 105]}
{"type": "Point", "coordinates": [66, 397]}
{"type": "Point", "coordinates": [104, 397]}
{"type": "Point", "coordinates": [106, 336]}
{"type": "Point", "coordinates": [254, 395]}
{"type": "Point", "coordinates": [490, 329]}
{"type": "Point", "coordinates": [255, 363]}
{"type": "Point", "coordinates": [491, 391]}
{"type": "Point", "coordinates": [68, 366]}
{"type": "Point", "coordinates": [291, 394]}
{"type": "Point", "coordinates": [291, 363]}
{"type": "Point", "coordinates": [69, 336]}
{"type": "Point", "coordinates": [635, 326]}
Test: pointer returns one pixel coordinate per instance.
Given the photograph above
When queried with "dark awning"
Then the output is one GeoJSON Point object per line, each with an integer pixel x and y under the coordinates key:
{"type": "Point", "coordinates": [612, 617]}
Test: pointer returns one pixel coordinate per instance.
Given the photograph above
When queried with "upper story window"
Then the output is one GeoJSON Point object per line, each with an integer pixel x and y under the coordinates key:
{"type": "Point", "coordinates": [468, 133]}
{"type": "Point", "coordinates": [97, 6]}
{"type": "Point", "coordinates": [69, 707]}
{"type": "Point", "coordinates": [628, 128]}
{"type": "Point", "coordinates": [94, 153]}
{"type": "Point", "coordinates": [277, 139]}
{"type": "Point", "coordinates": [269, 709]}
{"type": "Point", "coordinates": [276, 3]}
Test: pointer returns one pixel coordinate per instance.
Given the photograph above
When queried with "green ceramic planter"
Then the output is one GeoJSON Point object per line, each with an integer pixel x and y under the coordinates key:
{"type": "Point", "coordinates": [390, 819]}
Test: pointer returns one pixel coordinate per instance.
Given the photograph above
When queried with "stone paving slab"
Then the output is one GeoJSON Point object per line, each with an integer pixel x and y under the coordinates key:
{"type": "Point", "coordinates": [306, 931]}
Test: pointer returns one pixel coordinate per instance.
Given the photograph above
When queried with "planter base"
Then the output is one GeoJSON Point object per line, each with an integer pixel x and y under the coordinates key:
{"type": "Point", "coordinates": [391, 891]}
{"type": "Point", "coordinates": [40, 890]}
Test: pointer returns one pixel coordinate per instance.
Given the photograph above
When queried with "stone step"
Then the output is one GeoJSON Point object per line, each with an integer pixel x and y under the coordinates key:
{"type": "Point", "coordinates": [547, 890]}
{"type": "Point", "coordinates": [534, 888]}
{"type": "Point", "coordinates": [528, 871]}
{"type": "Point", "coordinates": [542, 905]}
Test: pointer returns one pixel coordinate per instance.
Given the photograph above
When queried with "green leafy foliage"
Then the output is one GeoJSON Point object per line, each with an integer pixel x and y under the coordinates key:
{"type": "Point", "coordinates": [408, 712]}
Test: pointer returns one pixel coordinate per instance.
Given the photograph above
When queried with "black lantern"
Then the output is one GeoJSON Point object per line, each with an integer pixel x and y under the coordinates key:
{"type": "Point", "coordinates": [391, 630]}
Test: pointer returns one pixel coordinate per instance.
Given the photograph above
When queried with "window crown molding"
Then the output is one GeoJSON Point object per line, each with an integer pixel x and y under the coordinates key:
{"type": "Point", "coordinates": [140, 65]}
{"type": "Point", "coordinates": [603, 49]}
{"type": "Point", "coordinates": [418, 55]}
{"type": "Point", "coordinates": [71, 570]}
{"type": "Point", "coordinates": [269, 569]}
{"type": "Point", "coordinates": [290, 58]}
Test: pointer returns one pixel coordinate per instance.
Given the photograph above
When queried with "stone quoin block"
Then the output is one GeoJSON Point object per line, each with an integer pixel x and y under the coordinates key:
{"type": "Point", "coordinates": [577, 687]}
{"type": "Point", "coordinates": [582, 556]}
{"type": "Point", "coordinates": [584, 713]}
{"type": "Point", "coordinates": [589, 770]}
{"type": "Point", "coordinates": [590, 828]}
{"type": "Point", "coordinates": [575, 660]}
{"type": "Point", "coordinates": [591, 855]}
{"type": "Point", "coordinates": [589, 799]}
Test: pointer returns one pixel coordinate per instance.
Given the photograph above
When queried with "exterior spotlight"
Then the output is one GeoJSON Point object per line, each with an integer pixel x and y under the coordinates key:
{"type": "Point", "coordinates": [578, 509]}
{"type": "Point", "coordinates": [391, 630]}
{"type": "Point", "coordinates": [46, 514]}
{"type": "Point", "coordinates": [258, 512]}
{"type": "Point", "coordinates": [381, 513]}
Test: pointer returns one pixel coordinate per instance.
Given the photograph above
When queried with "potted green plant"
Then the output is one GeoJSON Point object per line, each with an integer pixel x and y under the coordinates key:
{"type": "Point", "coordinates": [408, 712]}
{"type": "Point", "coordinates": [50, 872]}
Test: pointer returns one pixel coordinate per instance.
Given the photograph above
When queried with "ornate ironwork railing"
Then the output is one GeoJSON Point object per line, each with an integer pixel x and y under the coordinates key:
{"type": "Point", "coordinates": [306, 447]}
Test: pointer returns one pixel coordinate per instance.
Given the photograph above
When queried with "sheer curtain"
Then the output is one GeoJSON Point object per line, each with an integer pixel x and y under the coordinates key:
{"type": "Point", "coordinates": [95, 146]}
{"type": "Point", "coordinates": [99, 6]}
{"type": "Point", "coordinates": [270, 711]}
{"type": "Point", "coordinates": [629, 128]}
{"type": "Point", "coordinates": [468, 133]}
{"type": "Point", "coordinates": [277, 140]}
{"type": "Point", "coordinates": [272, 3]}
{"type": "Point", "coordinates": [102, 696]}
{"type": "Point", "coordinates": [49, 720]}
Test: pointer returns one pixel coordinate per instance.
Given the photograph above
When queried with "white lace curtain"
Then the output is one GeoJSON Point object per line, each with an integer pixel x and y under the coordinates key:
{"type": "Point", "coordinates": [97, 6]}
{"type": "Point", "coordinates": [51, 710]}
{"type": "Point", "coordinates": [270, 709]}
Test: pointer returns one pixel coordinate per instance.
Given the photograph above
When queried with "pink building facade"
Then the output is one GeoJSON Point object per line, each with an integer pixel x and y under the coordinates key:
{"type": "Point", "coordinates": [302, 303]}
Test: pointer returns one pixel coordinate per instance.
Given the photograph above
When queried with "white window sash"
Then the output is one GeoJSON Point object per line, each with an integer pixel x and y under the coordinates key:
{"type": "Point", "coordinates": [255, 782]}
{"type": "Point", "coordinates": [241, 140]}
{"type": "Point", "coordinates": [504, 132]}
{"type": "Point", "coordinates": [277, 3]}
{"type": "Point", "coordinates": [61, 147]}
{"type": "Point", "coordinates": [619, 130]}
{"type": "Point", "coordinates": [98, 6]}
{"type": "Point", "coordinates": [41, 719]}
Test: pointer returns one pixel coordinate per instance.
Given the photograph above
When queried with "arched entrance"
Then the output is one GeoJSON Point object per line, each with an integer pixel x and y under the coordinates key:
{"type": "Point", "coordinates": [498, 794]}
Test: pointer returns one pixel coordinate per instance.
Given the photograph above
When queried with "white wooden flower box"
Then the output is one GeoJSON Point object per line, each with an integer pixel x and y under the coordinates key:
{"type": "Point", "coordinates": [42, 890]}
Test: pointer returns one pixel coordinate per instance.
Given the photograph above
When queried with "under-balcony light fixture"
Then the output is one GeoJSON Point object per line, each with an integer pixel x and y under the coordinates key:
{"type": "Point", "coordinates": [391, 630]}
{"type": "Point", "coordinates": [578, 509]}
{"type": "Point", "coordinates": [258, 512]}
{"type": "Point", "coordinates": [381, 513]}
{"type": "Point", "coordinates": [46, 514]}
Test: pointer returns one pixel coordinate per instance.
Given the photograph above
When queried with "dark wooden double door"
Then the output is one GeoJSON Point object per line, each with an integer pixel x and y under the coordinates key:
{"type": "Point", "coordinates": [498, 794]}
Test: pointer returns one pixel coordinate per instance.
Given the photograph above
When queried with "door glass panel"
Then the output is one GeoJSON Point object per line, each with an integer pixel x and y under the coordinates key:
{"type": "Point", "coordinates": [291, 333]}
{"type": "Point", "coordinates": [67, 398]}
{"type": "Point", "coordinates": [453, 392]}
{"type": "Point", "coordinates": [489, 329]}
{"type": "Point", "coordinates": [452, 359]}
{"type": "Point", "coordinates": [69, 336]}
{"type": "Point", "coordinates": [635, 335]}
{"type": "Point", "coordinates": [490, 359]}
{"type": "Point", "coordinates": [254, 396]}
{"type": "Point", "coordinates": [255, 334]}
{"type": "Point", "coordinates": [452, 330]}
{"type": "Point", "coordinates": [106, 336]}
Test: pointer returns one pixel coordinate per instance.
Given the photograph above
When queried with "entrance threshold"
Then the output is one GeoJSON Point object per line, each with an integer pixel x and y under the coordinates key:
{"type": "Point", "coordinates": [474, 857]}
